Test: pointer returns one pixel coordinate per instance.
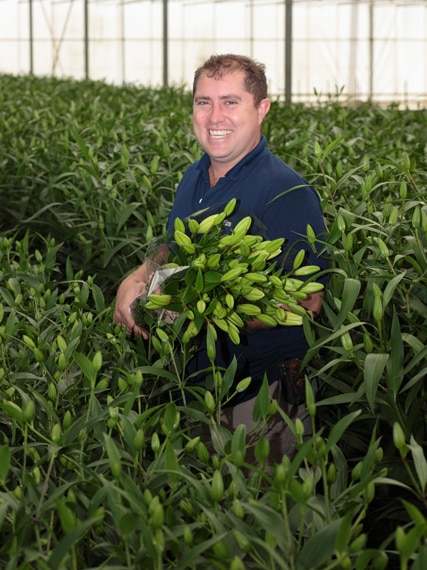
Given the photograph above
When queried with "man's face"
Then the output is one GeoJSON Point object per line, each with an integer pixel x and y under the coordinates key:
{"type": "Point", "coordinates": [225, 120]}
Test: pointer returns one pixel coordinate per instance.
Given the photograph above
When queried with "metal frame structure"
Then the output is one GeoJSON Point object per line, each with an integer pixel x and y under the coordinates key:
{"type": "Point", "coordinates": [287, 50]}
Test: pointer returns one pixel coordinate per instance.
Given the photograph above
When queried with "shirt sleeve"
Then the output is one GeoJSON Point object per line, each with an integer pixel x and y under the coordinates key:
{"type": "Point", "coordinates": [295, 214]}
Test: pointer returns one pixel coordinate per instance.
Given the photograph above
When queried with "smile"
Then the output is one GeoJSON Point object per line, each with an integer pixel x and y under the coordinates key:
{"type": "Point", "coordinates": [219, 134]}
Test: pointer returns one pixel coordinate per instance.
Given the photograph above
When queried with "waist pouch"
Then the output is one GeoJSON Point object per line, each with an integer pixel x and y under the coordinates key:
{"type": "Point", "coordinates": [292, 380]}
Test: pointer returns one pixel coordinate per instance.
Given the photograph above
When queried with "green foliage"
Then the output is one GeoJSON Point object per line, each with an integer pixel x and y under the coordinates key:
{"type": "Point", "coordinates": [91, 165]}
{"type": "Point", "coordinates": [99, 467]}
{"type": "Point", "coordinates": [219, 282]}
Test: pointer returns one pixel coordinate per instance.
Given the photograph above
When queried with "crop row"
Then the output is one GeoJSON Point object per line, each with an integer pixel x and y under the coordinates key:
{"type": "Point", "coordinates": [98, 467]}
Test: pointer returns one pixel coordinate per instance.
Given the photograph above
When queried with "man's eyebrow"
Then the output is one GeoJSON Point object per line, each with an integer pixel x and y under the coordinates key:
{"type": "Point", "coordinates": [231, 96]}
{"type": "Point", "coordinates": [221, 97]}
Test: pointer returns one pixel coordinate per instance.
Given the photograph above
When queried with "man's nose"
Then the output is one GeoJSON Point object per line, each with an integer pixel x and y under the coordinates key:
{"type": "Point", "coordinates": [216, 113]}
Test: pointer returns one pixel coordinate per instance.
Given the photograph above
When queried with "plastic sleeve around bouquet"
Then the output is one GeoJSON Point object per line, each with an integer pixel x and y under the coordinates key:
{"type": "Point", "coordinates": [159, 273]}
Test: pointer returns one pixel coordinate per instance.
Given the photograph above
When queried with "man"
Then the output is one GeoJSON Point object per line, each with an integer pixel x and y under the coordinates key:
{"type": "Point", "coordinates": [229, 105]}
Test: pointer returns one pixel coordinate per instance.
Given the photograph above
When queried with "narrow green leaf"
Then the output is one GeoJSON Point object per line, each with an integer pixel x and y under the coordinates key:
{"type": "Point", "coordinates": [195, 553]}
{"type": "Point", "coordinates": [349, 297]}
{"type": "Point", "coordinates": [86, 366]}
{"type": "Point", "coordinates": [308, 331]}
{"type": "Point", "coordinates": [374, 367]}
{"type": "Point", "coordinates": [80, 141]}
{"type": "Point", "coordinates": [415, 343]}
{"type": "Point", "coordinates": [267, 518]}
{"type": "Point", "coordinates": [3, 511]}
{"type": "Point", "coordinates": [391, 287]}
{"type": "Point", "coordinates": [332, 146]}
{"type": "Point", "coordinates": [363, 559]}
{"type": "Point", "coordinates": [4, 462]}
{"type": "Point", "coordinates": [128, 523]}
{"type": "Point", "coordinates": [158, 372]}
{"type": "Point", "coordinates": [419, 462]}
{"type": "Point", "coordinates": [262, 401]}
{"type": "Point", "coordinates": [319, 548]}
{"type": "Point", "coordinates": [171, 461]}
{"type": "Point", "coordinates": [339, 428]}
{"type": "Point", "coordinates": [228, 378]}
{"type": "Point", "coordinates": [416, 515]}
{"type": "Point", "coordinates": [343, 535]}
{"type": "Point", "coordinates": [113, 455]}
{"type": "Point", "coordinates": [62, 549]}
{"type": "Point", "coordinates": [66, 515]}
{"type": "Point", "coordinates": [329, 338]}
{"type": "Point", "coordinates": [395, 362]}
{"type": "Point", "coordinates": [98, 297]}
{"type": "Point", "coordinates": [126, 212]}
{"type": "Point", "coordinates": [420, 253]}
{"type": "Point", "coordinates": [420, 559]}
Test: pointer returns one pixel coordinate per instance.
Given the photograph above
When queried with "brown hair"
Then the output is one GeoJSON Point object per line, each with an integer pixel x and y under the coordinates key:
{"type": "Point", "coordinates": [219, 65]}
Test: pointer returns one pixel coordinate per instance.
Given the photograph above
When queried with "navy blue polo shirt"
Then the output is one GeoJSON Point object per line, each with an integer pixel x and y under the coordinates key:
{"type": "Point", "coordinates": [284, 202]}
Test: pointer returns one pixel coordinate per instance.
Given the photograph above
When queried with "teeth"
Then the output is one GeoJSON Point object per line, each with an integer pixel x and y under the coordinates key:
{"type": "Point", "coordinates": [218, 134]}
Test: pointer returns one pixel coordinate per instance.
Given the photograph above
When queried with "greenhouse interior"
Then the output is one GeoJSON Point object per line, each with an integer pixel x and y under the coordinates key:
{"type": "Point", "coordinates": [257, 400]}
{"type": "Point", "coordinates": [357, 50]}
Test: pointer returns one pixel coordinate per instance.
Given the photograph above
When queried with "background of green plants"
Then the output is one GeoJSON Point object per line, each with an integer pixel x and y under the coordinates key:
{"type": "Point", "coordinates": [98, 467]}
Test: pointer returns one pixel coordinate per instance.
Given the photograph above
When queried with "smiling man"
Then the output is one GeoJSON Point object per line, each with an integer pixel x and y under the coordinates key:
{"type": "Point", "coordinates": [227, 118]}
{"type": "Point", "coordinates": [229, 105]}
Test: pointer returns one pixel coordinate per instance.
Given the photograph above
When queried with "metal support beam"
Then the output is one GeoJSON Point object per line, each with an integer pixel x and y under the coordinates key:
{"type": "Point", "coordinates": [371, 50]}
{"type": "Point", "coordinates": [86, 38]}
{"type": "Point", "coordinates": [165, 44]}
{"type": "Point", "coordinates": [351, 83]}
{"type": "Point", "coordinates": [31, 32]}
{"type": "Point", "coordinates": [288, 51]}
{"type": "Point", "coordinates": [122, 41]}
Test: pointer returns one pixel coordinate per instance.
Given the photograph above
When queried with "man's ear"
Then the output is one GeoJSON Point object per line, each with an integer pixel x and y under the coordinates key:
{"type": "Point", "coordinates": [263, 109]}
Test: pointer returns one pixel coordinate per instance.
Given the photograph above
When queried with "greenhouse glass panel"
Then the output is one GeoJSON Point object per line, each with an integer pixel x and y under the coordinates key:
{"type": "Point", "coordinates": [355, 49]}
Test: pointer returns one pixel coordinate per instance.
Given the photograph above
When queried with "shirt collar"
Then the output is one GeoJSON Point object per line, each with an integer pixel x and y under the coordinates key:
{"type": "Point", "coordinates": [205, 160]}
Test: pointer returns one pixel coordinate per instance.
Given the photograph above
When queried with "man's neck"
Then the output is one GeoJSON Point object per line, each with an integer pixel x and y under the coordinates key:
{"type": "Point", "coordinates": [215, 174]}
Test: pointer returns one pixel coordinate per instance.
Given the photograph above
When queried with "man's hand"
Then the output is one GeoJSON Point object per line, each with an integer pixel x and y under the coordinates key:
{"type": "Point", "coordinates": [130, 288]}
{"type": "Point", "coordinates": [313, 303]}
